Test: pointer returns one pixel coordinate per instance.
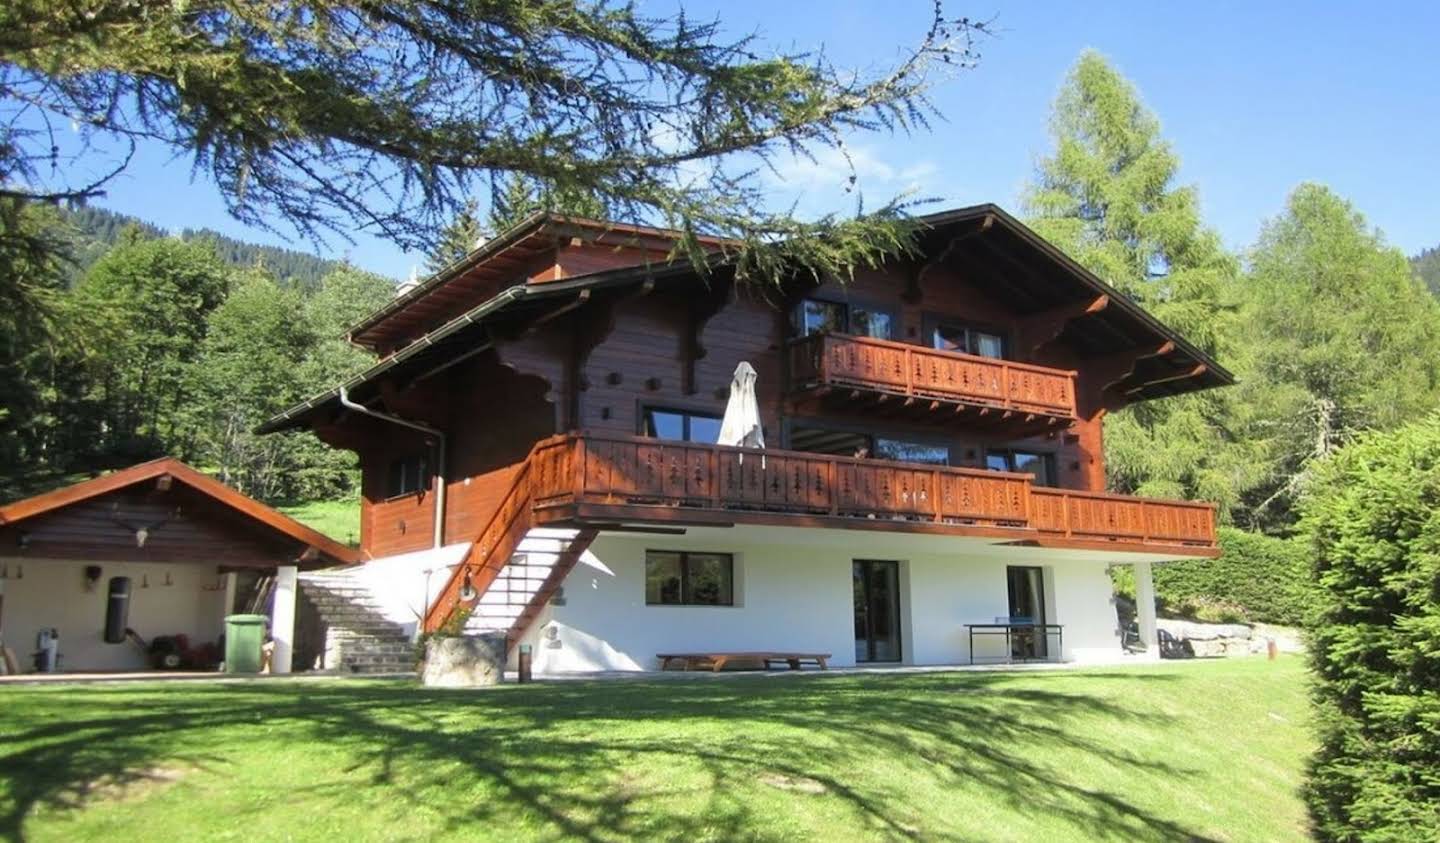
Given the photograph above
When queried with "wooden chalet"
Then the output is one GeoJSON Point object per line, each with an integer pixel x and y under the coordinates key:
{"type": "Point", "coordinates": [541, 424]}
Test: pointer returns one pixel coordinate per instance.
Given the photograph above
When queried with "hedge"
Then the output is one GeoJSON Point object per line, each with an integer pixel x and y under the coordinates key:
{"type": "Point", "coordinates": [1373, 518]}
{"type": "Point", "coordinates": [1256, 578]}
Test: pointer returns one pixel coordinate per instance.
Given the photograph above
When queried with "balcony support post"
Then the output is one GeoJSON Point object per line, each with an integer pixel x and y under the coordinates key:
{"type": "Point", "coordinates": [1145, 608]}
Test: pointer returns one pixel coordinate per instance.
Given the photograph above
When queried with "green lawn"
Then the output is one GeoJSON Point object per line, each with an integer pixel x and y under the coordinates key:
{"type": "Point", "coordinates": [340, 520]}
{"type": "Point", "coordinates": [1189, 751]}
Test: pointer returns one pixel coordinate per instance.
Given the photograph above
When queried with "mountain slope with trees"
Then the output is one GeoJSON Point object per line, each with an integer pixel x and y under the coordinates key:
{"type": "Point", "coordinates": [97, 230]}
{"type": "Point", "coordinates": [161, 346]}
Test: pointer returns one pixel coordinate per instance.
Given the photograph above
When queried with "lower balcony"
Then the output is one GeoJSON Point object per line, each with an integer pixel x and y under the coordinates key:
{"type": "Point", "coordinates": [597, 479]}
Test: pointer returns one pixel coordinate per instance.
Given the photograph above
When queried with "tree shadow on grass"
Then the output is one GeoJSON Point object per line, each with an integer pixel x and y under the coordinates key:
{"type": "Point", "coordinates": [568, 757]}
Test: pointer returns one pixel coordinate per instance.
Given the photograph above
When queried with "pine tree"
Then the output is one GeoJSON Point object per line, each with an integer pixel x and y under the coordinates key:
{"type": "Point", "coordinates": [1340, 338]}
{"type": "Point", "coordinates": [326, 115]}
{"type": "Point", "coordinates": [519, 197]}
{"type": "Point", "coordinates": [463, 235]}
{"type": "Point", "coordinates": [1107, 196]}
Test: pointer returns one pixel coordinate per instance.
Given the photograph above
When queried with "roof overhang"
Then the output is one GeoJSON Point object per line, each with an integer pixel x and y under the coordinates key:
{"type": "Point", "coordinates": [504, 258]}
{"type": "Point", "coordinates": [320, 549]}
{"type": "Point", "coordinates": [1035, 277]}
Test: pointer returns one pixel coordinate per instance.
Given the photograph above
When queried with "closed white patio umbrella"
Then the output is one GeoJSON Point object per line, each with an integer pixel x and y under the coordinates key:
{"type": "Point", "coordinates": [741, 425]}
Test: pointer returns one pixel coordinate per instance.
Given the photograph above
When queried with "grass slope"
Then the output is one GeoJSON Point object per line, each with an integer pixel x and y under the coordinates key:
{"type": "Point", "coordinates": [340, 520]}
{"type": "Point", "coordinates": [1193, 751]}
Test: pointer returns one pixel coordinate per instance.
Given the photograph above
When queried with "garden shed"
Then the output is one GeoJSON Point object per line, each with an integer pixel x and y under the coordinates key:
{"type": "Point", "coordinates": [157, 550]}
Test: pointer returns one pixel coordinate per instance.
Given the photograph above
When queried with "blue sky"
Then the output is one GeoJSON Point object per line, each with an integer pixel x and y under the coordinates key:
{"type": "Point", "coordinates": [1255, 97]}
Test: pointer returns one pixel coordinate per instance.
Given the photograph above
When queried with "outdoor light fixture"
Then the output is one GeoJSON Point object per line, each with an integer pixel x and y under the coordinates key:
{"type": "Point", "coordinates": [467, 590]}
{"type": "Point", "coordinates": [22, 539]}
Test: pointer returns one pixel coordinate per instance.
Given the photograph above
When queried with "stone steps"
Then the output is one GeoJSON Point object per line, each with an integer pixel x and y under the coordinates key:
{"type": "Point", "coordinates": [359, 639]}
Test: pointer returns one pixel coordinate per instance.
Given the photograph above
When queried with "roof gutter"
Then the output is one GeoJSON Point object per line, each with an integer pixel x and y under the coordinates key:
{"type": "Point", "coordinates": [439, 473]}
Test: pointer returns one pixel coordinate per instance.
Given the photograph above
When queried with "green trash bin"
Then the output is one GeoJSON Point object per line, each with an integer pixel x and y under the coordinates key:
{"type": "Point", "coordinates": [244, 636]}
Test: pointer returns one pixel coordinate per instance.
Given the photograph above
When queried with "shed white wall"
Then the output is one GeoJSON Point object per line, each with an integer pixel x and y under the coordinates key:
{"type": "Point", "coordinates": [793, 595]}
{"type": "Point", "coordinates": [53, 594]}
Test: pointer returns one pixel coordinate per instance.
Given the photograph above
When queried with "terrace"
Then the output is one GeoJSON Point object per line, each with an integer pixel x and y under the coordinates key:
{"type": "Point", "coordinates": [589, 478]}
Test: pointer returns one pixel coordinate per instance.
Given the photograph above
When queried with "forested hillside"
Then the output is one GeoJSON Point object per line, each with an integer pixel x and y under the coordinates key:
{"type": "Point", "coordinates": [97, 230]}
{"type": "Point", "coordinates": [132, 344]}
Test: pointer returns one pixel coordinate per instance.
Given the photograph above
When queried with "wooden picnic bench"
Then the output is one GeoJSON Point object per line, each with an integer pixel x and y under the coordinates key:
{"type": "Point", "coordinates": [717, 661]}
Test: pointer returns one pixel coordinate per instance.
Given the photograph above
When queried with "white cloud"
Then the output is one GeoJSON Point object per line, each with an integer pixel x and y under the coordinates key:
{"type": "Point", "coordinates": [823, 185]}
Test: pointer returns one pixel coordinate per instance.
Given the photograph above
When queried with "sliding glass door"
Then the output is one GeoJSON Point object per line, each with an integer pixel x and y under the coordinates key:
{"type": "Point", "coordinates": [877, 610]}
{"type": "Point", "coordinates": [1027, 605]}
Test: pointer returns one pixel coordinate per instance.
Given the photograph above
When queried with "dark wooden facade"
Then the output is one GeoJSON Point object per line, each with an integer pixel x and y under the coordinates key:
{"type": "Point", "coordinates": [588, 346]}
{"type": "Point", "coordinates": [162, 511]}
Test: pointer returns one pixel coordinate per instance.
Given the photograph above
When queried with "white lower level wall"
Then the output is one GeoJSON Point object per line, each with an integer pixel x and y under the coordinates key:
{"type": "Point", "coordinates": [794, 596]}
{"type": "Point", "coordinates": [44, 593]}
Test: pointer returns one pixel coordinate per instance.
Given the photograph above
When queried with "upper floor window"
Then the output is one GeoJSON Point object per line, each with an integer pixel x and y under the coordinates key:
{"type": "Point", "coordinates": [674, 578]}
{"type": "Point", "coordinates": [814, 316]}
{"type": "Point", "coordinates": [406, 476]}
{"type": "Point", "coordinates": [957, 336]}
{"type": "Point", "coordinates": [682, 425]}
{"type": "Point", "coordinates": [1024, 462]}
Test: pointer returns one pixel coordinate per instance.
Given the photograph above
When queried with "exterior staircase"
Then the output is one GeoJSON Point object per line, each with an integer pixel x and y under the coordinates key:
{"type": "Point", "coordinates": [359, 639]}
{"type": "Point", "coordinates": [528, 581]}
{"type": "Point", "coordinates": [512, 569]}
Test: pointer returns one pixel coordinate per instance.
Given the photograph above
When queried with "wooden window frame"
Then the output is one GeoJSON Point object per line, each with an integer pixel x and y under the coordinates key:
{"type": "Point", "coordinates": [423, 478]}
{"type": "Point", "coordinates": [643, 418]}
{"type": "Point", "coordinates": [931, 322]}
{"type": "Point", "coordinates": [685, 593]}
{"type": "Point", "coordinates": [1050, 458]}
{"type": "Point", "coordinates": [847, 321]}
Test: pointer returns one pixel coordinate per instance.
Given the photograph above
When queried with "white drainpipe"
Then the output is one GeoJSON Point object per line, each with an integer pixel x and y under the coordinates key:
{"type": "Point", "coordinates": [439, 455]}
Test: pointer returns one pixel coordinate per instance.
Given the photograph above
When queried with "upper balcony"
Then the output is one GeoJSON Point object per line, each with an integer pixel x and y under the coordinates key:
{"type": "Point", "coordinates": [932, 384]}
{"type": "Point", "coordinates": [591, 478]}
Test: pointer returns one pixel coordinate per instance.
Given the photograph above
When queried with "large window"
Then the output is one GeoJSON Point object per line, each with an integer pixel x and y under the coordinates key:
{"type": "Point", "coordinates": [681, 425]}
{"type": "Point", "coordinates": [677, 578]}
{"type": "Point", "coordinates": [841, 443]}
{"type": "Point", "coordinates": [1024, 462]}
{"type": "Point", "coordinates": [920, 452]}
{"type": "Point", "coordinates": [814, 316]}
{"type": "Point", "coordinates": [407, 475]}
{"type": "Point", "coordinates": [955, 336]}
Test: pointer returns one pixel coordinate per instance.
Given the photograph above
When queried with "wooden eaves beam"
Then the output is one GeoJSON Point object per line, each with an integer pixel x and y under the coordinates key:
{"type": "Point", "coordinates": [1045, 327]}
{"type": "Point", "coordinates": [913, 292]}
{"type": "Point", "coordinates": [1193, 372]}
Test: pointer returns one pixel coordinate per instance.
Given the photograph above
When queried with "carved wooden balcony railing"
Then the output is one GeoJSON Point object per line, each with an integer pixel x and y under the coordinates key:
{"type": "Point", "coordinates": [603, 477]}
{"type": "Point", "coordinates": [929, 380]}
{"type": "Point", "coordinates": [1121, 518]}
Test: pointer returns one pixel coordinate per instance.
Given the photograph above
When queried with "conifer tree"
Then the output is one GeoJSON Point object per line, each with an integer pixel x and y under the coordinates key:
{"type": "Point", "coordinates": [1340, 338]}
{"type": "Point", "coordinates": [458, 239]}
{"type": "Point", "coordinates": [1107, 195]}
{"type": "Point", "coordinates": [327, 116]}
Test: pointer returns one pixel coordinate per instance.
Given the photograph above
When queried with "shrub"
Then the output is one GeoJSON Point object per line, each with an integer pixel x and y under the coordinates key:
{"type": "Point", "coordinates": [1256, 578]}
{"type": "Point", "coordinates": [1373, 518]}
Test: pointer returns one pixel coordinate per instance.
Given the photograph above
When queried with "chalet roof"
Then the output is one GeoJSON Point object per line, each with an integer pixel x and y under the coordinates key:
{"type": "Point", "coordinates": [501, 259]}
{"type": "Point", "coordinates": [269, 523]}
{"type": "Point", "coordinates": [1015, 264]}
